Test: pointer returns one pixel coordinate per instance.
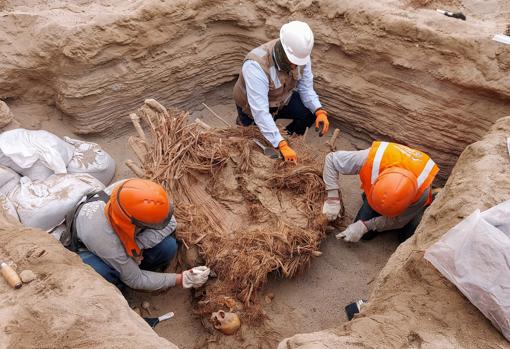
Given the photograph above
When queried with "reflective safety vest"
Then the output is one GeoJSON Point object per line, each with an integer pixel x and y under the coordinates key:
{"type": "Point", "coordinates": [384, 155]}
{"type": "Point", "coordinates": [281, 83]}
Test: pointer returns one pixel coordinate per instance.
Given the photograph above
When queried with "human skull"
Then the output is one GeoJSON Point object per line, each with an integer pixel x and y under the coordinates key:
{"type": "Point", "coordinates": [225, 322]}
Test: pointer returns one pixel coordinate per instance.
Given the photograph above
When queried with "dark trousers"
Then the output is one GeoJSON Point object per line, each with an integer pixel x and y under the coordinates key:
{"type": "Point", "coordinates": [366, 213]}
{"type": "Point", "coordinates": [295, 110]}
{"type": "Point", "coordinates": [153, 258]}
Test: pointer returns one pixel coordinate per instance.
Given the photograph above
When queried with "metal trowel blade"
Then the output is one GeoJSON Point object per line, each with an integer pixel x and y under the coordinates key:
{"type": "Point", "coordinates": [273, 154]}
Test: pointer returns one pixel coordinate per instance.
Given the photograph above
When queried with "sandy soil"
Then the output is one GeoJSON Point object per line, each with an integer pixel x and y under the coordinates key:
{"type": "Point", "coordinates": [309, 302]}
{"type": "Point", "coordinates": [392, 69]}
{"type": "Point", "coordinates": [413, 305]}
{"type": "Point", "coordinates": [66, 305]}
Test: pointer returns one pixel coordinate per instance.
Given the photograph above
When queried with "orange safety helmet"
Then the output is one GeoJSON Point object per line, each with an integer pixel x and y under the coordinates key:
{"type": "Point", "coordinates": [137, 204]}
{"type": "Point", "coordinates": [393, 191]}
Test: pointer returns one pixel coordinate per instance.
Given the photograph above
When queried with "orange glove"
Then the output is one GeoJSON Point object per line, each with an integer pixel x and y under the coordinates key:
{"type": "Point", "coordinates": [287, 152]}
{"type": "Point", "coordinates": [321, 117]}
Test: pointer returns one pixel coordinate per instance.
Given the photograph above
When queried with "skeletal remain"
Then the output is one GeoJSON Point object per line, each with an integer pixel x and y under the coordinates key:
{"type": "Point", "coordinates": [133, 167]}
{"type": "Point", "coordinates": [332, 141]}
{"type": "Point", "coordinates": [27, 276]}
{"type": "Point", "coordinates": [226, 322]}
{"type": "Point", "coordinates": [147, 307]}
{"type": "Point", "coordinates": [136, 123]}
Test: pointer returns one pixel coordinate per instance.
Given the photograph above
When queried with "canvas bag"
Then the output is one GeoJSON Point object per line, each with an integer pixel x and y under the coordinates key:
{"type": "Point", "coordinates": [45, 204]}
{"type": "Point", "coordinates": [34, 154]}
{"type": "Point", "coordinates": [90, 158]}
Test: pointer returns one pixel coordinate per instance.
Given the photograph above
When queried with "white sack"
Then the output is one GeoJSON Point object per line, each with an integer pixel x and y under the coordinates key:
{"type": "Point", "coordinates": [7, 207]}
{"type": "Point", "coordinates": [21, 149]}
{"type": "Point", "coordinates": [90, 158]}
{"type": "Point", "coordinates": [57, 232]}
{"type": "Point", "coordinates": [44, 204]}
{"type": "Point", "coordinates": [37, 172]}
{"type": "Point", "coordinates": [475, 256]}
{"type": "Point", "coordinates": [8, 180]}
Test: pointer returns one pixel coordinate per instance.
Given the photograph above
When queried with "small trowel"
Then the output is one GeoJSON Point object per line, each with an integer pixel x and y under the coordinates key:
{"type": "Point", "coordinates": [153, 321]}
{"type": "Point", "coordinates": [458, 15]}
{"type": "Point", "coordinates": [268, 151]}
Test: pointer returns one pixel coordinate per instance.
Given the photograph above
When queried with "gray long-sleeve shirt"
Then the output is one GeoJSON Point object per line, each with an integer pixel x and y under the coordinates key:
{"type": "Point", "coordinates": [96, 233]}
{"type": "Point", "coordinates": [350, 163]}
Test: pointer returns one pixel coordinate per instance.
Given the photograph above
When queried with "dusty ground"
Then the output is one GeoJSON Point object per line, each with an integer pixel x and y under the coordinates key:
{"type": "Point", "coordinates": [392, 69]}
{"type": "Point", "coordinates": [67, 305]}
{"type": "Point", "coordinates": [413, 305]}
{"type": "Point", "coordinates": [310, 302]}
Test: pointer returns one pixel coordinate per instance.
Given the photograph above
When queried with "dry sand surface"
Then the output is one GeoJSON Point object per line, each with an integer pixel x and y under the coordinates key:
{"type": "Point", "coordinates": [67, 305]}
{"type": "Point", "coordinates": [413, 305]}
{"type": "Point", "coordinates": [392, 69]}
{"type": "Point", "coordinates": [309, 302]}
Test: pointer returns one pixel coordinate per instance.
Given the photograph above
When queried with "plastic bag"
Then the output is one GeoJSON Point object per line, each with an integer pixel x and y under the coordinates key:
{"type": "Point", "coordinates": [475, 256]}
{"type": "Point", "coordinates": [23, 149]}
{"type": "Point", "coordinates": [7, 206]}
{"type": "Point", "coordinates": [37, 172]}
{"type": "Point", "coordinates": [8, 180]}
{"type": "Point", "coordinates": [90, 158]}
{"type": "Point", "coordinates": [44, 204]}
{"type": "Point", "coordinates": [57, 232]}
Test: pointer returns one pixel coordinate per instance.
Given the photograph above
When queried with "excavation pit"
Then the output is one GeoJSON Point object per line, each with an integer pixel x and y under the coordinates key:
{"type": "Point", "coordinates": [394, 70]}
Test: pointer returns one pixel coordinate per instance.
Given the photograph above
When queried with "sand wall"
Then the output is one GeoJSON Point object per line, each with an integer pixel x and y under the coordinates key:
{"type": "Point", "coordinates": [412, 304]}
{"type": "Point", "coordinates": [387, 69]}
{"type": "Point", "coordinates": [68, 305]}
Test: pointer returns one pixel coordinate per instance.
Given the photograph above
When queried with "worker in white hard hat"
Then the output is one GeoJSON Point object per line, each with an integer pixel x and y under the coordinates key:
{"type": "Point", "coordinates": [276, 82]}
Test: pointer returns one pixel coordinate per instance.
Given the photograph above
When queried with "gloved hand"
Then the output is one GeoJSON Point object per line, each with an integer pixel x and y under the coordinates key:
{"type": "Point", "coordinates": [195, 277]}
{"type": "Point", "coordinates": [321, 117]}
{"type": "Point", "coordinates": [138, 259]}
{"type": "Point", "coordinates": [287, 152]}
{"type": "Point", "coordinates": [354, 232]}
{"type": "Point", "coordinates": [332, 206]}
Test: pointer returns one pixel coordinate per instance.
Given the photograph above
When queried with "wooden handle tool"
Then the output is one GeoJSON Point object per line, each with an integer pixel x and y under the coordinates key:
{"type": "Point", "coordinates": [10, 276]}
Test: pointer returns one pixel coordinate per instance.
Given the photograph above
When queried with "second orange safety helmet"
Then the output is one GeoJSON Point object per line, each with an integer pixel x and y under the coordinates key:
{"type": "Point", "coordinates": [137, 204]}
{"type": "Point", "coordinates": [393, 191]}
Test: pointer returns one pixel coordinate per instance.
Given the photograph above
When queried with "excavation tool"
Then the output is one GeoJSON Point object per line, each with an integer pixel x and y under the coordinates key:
{"type": "Point", "coordinates": [10, 275]}
{"type": "Point", "coordinates": [458, 15]}
{"type": "Point", "coordinates": [153, 321]}
{"type": "Point", "coordinates": [216, 115]}
{"type": "Point", "coordinates": [268, 151]}
{"type": "Point", "coordinates": [354, 308]}
{"type": "Point", "coordinates": [502, 38]}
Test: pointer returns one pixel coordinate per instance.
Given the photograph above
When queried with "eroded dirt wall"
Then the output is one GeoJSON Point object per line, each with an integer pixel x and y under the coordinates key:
{"type": "Point", "coordinates": [69, 305]}
{"type": "Point", "coordinates": [412, 304]}
{"type": "Point", "coordinates": [386, 69]}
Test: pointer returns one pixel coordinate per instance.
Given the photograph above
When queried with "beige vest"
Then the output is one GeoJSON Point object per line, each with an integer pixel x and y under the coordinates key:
{"type": "Point", "coordinates": [281, 84]}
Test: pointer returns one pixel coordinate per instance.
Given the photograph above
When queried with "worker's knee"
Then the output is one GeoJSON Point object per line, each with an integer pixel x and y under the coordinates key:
{"type": "Point", "coordinates": [168, 248]}
{"type": "Point", "coordinates": [111, 275]}
{"type": "Point", "coordinates": [160, 255]}
{"type": "Point", "coordinates": [328, 162]}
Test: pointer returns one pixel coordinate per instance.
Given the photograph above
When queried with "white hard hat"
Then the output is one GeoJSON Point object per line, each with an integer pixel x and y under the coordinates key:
{"type": "Point", "coordinates": [297, 41]}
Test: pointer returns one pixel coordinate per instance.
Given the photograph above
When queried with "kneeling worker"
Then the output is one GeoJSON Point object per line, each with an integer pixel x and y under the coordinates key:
{"type": "Point", "coordinates": [276, 82]}
{"type": "Point", "coordinates": [396, 182]}
{"type": "Point", "coordinates": [127, 235]}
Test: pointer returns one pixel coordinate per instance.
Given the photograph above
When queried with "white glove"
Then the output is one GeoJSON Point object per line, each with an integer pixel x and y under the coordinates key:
{"type": "Point", "coordinates": [354, 232]}
{"type": "Point", "coordinates": [195, 277]}
{"type": "Point", "coordinates": [331, 207]}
